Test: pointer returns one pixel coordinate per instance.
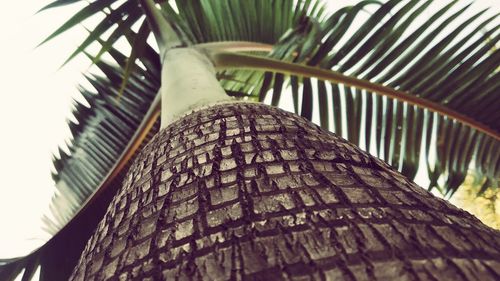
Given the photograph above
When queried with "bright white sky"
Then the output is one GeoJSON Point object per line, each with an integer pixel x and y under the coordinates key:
{"type": "Point", "coordinates": [36, 101]}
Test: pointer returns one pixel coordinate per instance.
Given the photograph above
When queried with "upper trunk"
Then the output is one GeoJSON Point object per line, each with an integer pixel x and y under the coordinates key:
{"type": "Point", "coordinates": [188, 82]}
{"type": "Point", "coordinates": [246, 191]}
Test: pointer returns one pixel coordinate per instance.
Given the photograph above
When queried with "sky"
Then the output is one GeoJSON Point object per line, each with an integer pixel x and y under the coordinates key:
{"type": "Point", "coordinates": [35, 103]}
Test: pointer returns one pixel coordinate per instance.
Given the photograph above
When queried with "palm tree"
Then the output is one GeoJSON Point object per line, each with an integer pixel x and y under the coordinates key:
{"type": "Point", "coordinates": [230, 188]}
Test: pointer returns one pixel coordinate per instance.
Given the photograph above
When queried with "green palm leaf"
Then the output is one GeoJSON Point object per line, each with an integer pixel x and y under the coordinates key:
{"type": "Point", "coordinates": [448, 74]}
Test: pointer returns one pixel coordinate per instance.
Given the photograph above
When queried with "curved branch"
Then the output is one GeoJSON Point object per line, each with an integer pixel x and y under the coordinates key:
{"type": "Point", "coordinates": [224, 60]}
{"type": "Point", "coordinates": [235, 46]}
{"type": "Point", "coordinates": [166, 38]}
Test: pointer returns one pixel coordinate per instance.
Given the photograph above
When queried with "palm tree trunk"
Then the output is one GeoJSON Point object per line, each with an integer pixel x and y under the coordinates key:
{"type": "Point", "coordinates": [247, 191]}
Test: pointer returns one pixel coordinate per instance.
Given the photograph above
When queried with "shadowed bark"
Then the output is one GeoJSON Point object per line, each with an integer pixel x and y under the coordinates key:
{"type": "Point", "coordinates": [247, 191]}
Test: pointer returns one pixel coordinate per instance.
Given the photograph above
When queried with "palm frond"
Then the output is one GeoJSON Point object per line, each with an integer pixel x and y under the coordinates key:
{"type": "Point", "coordinates": [106, 137]}
{"type": "Point", "coordinates": [102, 130]}
{"type": "Point", "coordinates": [436, 61]}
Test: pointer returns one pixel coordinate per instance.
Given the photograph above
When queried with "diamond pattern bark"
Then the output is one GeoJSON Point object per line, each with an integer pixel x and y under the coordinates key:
{"type": "Point", "coordinates": [250, 192]}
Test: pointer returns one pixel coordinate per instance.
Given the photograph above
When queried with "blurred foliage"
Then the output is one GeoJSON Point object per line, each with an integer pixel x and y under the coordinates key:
{"type": "Point", "coordinates": [485, 206]}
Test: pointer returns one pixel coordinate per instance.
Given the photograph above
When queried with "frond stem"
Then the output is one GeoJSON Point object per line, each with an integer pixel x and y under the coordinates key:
{"type": "Point", "coordinates": [234, 46]}
{"type": "Point", "coordinates": [165, 35]}
{"type": "Point", "coordinates": [225, 60]}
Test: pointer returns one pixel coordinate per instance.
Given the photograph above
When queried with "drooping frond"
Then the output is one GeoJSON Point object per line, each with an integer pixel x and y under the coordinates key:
{"type": "Point", "coordinates": [105, 138]}
{"type": "Point", "coordinates": [101, 133]}
{"type": "Point", "coordinates": [448, 59]}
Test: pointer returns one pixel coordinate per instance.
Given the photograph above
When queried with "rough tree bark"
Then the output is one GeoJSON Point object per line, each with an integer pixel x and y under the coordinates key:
{"type": "Point", "coordinates": [246, 191]}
